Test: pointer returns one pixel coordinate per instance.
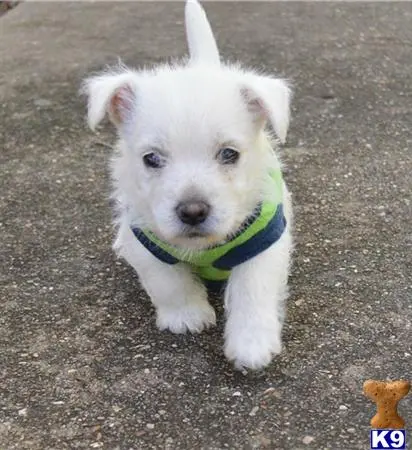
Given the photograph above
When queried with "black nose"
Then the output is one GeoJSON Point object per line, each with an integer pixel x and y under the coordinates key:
{"type": "Point", "coordinates": [192, 212]}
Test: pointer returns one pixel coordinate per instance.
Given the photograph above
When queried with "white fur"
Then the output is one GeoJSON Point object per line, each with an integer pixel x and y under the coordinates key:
{"type": "Point", "coordinates": [188, 112]}
{"type": "Point", "coordinates": [202, 44]}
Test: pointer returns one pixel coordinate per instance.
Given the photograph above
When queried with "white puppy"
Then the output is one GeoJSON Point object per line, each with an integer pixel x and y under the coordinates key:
{"type": "Point", "coordinates": [199, 192]}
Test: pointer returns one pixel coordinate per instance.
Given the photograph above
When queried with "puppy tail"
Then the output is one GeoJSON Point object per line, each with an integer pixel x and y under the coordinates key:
{"type": "Point", "coordinates": [200, 39]}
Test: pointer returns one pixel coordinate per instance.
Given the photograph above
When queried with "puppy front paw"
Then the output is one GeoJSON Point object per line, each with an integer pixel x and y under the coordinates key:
{"type": "Point", "coordinates": [193, 317]}
{"type": "Point", "coordinates": [252, 347]}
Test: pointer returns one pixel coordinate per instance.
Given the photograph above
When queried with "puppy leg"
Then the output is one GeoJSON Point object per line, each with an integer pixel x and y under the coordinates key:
{"type": "Point", "coordinates": [180, 300]}
{"type": "Point", "coordinates": [254, 305]}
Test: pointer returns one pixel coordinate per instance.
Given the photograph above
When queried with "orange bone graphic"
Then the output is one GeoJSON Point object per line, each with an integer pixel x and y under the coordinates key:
{"type": "Point", "coordinates": [386, 395]}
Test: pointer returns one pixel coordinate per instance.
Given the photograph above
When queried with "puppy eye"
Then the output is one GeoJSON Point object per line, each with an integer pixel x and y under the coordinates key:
{"type": "Point", "coordinates": [154, 160]}
{"type": "Point", "coordinates": [227, 155]}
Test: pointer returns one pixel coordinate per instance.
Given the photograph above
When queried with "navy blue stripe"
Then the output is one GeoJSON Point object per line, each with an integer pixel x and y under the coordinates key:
{"type": "Point", "coordinates": [214, 286]}
{"type": "Point", "coordinates": [256, 244]}
{"type": "Point", "coordinates": [154, 248]}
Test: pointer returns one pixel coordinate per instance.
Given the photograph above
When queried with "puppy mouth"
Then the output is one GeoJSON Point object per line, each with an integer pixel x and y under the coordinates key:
{"type": "Point", "coordinates": [193, 234]}
{"type": "Point", "coordinates": [197, 234]}
{"type": "Point", "coordinates": [200, 238]}
{"type": "Point", "coordinates": [195, 239]}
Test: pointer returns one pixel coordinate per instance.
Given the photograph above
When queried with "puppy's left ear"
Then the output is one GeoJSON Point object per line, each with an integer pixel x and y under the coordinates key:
{"type": "Point", "coordinates": [268, 100]}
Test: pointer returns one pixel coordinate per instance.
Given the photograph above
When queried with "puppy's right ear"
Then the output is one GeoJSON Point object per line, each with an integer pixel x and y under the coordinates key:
{"type": "Point", "coordinates": [111, 93]}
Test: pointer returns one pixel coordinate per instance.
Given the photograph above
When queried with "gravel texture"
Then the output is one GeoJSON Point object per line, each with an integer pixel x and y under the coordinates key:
{"type": "Point", "coordinates": [82, 364]}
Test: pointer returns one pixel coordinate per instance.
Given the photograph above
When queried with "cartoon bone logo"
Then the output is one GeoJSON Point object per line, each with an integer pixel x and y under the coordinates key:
{"type": "Point", "coordinates": [386, 395]}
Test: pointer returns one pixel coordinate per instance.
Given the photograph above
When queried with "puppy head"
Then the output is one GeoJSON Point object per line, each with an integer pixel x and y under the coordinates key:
{"type": "Point", "coordinates": [193, 156]}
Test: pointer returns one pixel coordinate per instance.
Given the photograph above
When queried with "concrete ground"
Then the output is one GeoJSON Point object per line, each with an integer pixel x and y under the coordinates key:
{"type": "Point", "coordinates": [82, 364]}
